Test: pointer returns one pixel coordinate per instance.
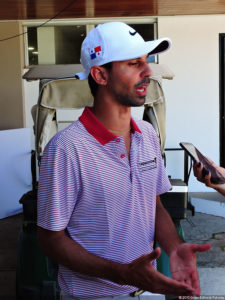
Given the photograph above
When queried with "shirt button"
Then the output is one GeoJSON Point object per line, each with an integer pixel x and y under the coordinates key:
{"type": "Point", "coordinates": [117, 140]}
{"type": "Point", "coordinates": [122, 155]}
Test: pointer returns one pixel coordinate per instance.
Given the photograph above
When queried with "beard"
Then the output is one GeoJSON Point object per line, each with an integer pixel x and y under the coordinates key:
{"type": "Point", "coordinates": [131, 99]}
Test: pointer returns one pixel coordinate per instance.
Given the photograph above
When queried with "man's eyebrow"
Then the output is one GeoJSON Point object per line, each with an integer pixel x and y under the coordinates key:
{"type": "Point", "coordinates": [140, 57]}
{"type": "Point", "coordinates": [135, 58]}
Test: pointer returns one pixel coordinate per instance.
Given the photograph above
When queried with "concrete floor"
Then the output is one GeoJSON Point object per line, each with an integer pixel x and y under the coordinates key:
{"type": "Point", "coordinates": [205, 228]}
{"type": "Point", "coordinates": [201, 228]}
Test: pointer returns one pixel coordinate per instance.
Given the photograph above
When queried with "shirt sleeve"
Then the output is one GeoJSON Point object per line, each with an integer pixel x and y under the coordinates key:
{"type": "Point", "coordinates": [57, 189]}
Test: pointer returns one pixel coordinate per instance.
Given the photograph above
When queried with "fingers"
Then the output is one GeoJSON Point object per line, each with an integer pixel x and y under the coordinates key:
{"type": "Point", "coordinates": [200, 248]}
{"type": "Point", "coordinates": [148, 258]}
{"type": "Point", "coordinates": [195, 283]}
{"type": "Point", "coordinates": [153, 255]}
{"type": "Point", "coordinates": [196, 164]}
{"type": "Point", "coordinates": [207, 179]}
{"type": "Point", "coordinates": [156, 253]}
{"type": "Point", "coordinates": [211, 162]}
{"type": "Point", "coordinates": [189, 281]}
{"type": "Point", "coordinates": [187, 249]}
{"type": "Point", "coordinates": [183, 264]}
{"type": "Point", "coordinates": [142, 274]}
{"type": "Point", "coordinates": [198, 173]}
{"type": "Point", "coordinates": [168, 286]}
{"type": "Point", "coordinates": [197, 168]}
{"type": "Point", "coordinates": [189, 277]}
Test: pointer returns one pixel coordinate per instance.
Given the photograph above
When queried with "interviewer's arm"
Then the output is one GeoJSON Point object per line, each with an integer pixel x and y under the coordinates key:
{"type": "Point", "coordinates": [207, 178]}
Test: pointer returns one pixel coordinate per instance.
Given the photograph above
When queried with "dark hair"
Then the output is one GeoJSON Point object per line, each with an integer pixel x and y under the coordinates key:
{"type": "Point", "coordinates": [92, 83]}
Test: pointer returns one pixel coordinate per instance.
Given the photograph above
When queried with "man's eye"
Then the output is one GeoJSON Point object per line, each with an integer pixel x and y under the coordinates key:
{"type": "Point", "coordinates": [133, 63]}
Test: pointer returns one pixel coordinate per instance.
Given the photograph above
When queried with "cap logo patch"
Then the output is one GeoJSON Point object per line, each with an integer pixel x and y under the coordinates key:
{"type": "Point", "coordinates": [132, 33]}
{"type": "Point", "coordinates": [95, 52]}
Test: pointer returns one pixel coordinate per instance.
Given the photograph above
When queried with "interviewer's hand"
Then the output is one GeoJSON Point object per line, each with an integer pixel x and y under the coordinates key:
{"type": "Point", "coordinates": [141, 273]}
{"type": "Point", "coordinates": [183, 264]}
{"type": "Point", "coordinates": [197, 168]}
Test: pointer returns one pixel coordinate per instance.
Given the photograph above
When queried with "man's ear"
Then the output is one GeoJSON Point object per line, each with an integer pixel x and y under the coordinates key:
{"type": "Point", "coordinates": [99, 74]}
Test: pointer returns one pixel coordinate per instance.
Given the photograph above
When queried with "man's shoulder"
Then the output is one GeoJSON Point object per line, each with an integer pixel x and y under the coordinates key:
{"type": "Point", "coordinates": [145, 126]}
{"type": "Point", "coordinates": [68, 135]}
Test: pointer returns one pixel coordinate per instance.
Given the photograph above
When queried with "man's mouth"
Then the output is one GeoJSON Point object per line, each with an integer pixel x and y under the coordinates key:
{"type": "Point", "coordinates": [141, 91]}
{"type": "Point", "coordinates": [141, 87]}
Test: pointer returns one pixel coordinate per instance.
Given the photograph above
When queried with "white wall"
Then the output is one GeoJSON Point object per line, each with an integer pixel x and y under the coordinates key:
{"type": "Point", "coordinates": [193, 95]}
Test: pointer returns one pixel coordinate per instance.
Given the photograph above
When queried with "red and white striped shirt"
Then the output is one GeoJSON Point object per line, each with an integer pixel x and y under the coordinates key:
{"type": "Point", "coordinates": [105, 201]}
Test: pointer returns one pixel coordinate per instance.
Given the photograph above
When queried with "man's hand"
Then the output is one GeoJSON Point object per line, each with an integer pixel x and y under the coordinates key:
{"type": "Point", "coordinates": [183, 265]}
{"type": "Point", "coordinates": [197, 168]}
{"type": "Point", "coordinates": [141, 273]}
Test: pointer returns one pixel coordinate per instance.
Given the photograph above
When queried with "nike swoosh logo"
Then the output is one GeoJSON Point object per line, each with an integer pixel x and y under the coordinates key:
{"type": "Point", "coordinates": [132, 33]}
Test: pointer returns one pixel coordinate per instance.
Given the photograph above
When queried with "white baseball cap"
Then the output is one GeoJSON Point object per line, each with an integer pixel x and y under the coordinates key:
{"type": "Point", "coordinates": [116, 41]}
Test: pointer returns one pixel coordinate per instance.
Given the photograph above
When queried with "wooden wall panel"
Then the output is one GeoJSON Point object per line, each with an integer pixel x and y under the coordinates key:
{"type": "Point", "coordinates": [42, 9]}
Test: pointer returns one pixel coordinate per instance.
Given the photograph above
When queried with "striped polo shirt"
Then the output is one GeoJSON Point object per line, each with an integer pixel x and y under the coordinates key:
{"type": "Point", "coordinates": [104, 199]}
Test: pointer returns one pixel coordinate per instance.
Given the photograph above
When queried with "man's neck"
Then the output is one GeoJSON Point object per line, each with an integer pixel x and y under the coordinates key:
{"type": "Point", "coordinates": [113, 116]}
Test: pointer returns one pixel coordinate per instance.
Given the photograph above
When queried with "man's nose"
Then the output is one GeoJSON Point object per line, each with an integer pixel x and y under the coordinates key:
{"type": "Point", "coordinates": [147, 71]}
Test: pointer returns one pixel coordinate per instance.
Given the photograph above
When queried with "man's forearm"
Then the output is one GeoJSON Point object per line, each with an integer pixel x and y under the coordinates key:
{"type": "Point", "coordinates": [139, 273]}
{"type": "Point", "coordinates": [63, 250]}
{"type": "Point", "coordinates": [165, 231]}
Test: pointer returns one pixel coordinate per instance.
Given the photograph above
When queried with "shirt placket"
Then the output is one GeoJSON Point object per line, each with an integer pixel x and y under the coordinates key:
{"type": "Point", "coordinates": [134, 153]}
{"type": "Point", "coordinates": [121, 151]}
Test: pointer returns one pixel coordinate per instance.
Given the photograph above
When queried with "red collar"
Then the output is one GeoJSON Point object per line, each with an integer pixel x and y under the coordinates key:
{"type": "Point", "coordinates": [96, 128]}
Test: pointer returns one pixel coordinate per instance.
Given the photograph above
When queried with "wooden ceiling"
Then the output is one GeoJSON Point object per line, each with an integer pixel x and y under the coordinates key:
{"type": "Point", "coordinates": [46, 9]}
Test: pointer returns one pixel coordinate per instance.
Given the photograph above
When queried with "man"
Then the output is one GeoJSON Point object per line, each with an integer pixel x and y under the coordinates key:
{"type": "Point", "coordinates": [99, 209]}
